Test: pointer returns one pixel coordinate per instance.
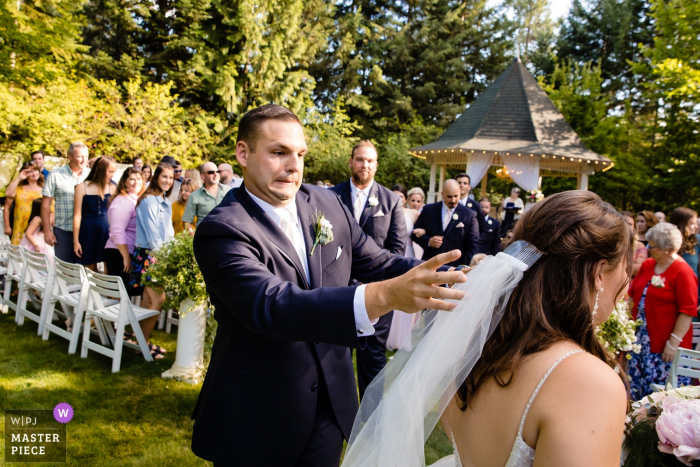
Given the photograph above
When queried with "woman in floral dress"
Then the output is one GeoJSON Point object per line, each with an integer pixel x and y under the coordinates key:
{"type": "Point", "coordinates": [22, 192]}
{"type": "Point", "coordinates": [665, 295]}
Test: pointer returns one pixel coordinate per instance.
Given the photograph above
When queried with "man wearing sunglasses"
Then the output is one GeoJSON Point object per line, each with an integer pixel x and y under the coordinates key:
{"type": "Point", "coordinates": [206, 198]}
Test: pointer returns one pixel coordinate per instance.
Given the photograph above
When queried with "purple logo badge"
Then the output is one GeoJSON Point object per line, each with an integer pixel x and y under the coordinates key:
{"type": "Point", "coordinates": [63, 413]}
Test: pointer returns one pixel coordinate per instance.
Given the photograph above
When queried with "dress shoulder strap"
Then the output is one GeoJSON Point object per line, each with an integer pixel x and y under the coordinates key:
{"type": "Point", "coordinates": [539, 386]}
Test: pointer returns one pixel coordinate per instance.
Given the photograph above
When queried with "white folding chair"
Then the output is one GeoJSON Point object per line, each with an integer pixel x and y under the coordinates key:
{"type": "Point", "coordinates": [71, 291]}
{"type": "Point", "coordinates": [685, 363]}
{"type": "Point", "coordinates": [696, 335]}
{"type": "Point", "coordinates": [171, 319]}
{"type": "Point", "coordinates": [16, 267]}
{"type": "Point", "coordinates": [38, 277]}
{"type": "Point", "coordinates": [120, 314]}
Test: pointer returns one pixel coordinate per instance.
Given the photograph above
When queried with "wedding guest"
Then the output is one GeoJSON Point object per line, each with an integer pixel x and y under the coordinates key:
{"type": "Point", "coordinates": [465, 188]}
{"type": "Point", "coordinates": [186, 189]}
{"type": "Point", "coordinates": [175, 191]}
{"type": "Point", "coordinates": [60, 186]}
{"type": "Point", "coordinates": [400, 191]}
{"type": "Point", "coordinates": [153, 228]}
{"type": "Point", "coordinates": [195, 176]}
{"type": "Point", "coordinates": [38, 157]}
{"type": "Point", "coordinates": [640, 250]}
{"type": "Point", "coordinates": [90, 205]}
{"type": "Point", "coordinates": [204, 199]}
{"type": "Point", "coordinates": [660, 216]}
{"type": "Point", "coordinates": [507, 239]}
{"type": "Point", "coordinates": [687, 222]}
{"type": "Point", "coordinates": [645, 221]}
{"type": "Point", "coordinates": [665, 295]}
{"type": "Point", "coordinates": [21, 193]}
{"type": "Point", "coordinates": [178, 172]}
{"type": "Point", "coordinates": [379, 212]}
{"type": "Point", "coordinates": [416, 198]}
{"type": "Point", "coordinates": [512, 209]}
{"type": "Point", "coordinates": [34, 237]}
{"type": "Point", "coordinates": [491, 240]}
{"type": "Point", "coordinates": [467, 200]}
{"type": "Point", "coordinates": [448, 226]}
{"type": "Point", "coordinates": [229, 178]}
{"type": "Point", "coordinates": [138, 163]}
{"type": "Point", "coordinates": [147, 175]}
{"type": "Point", "coordinates": [122, 225]}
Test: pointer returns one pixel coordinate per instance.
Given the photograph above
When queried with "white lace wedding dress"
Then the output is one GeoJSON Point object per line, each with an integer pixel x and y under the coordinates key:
{"type": "Point", "coordinates": [522, 455]}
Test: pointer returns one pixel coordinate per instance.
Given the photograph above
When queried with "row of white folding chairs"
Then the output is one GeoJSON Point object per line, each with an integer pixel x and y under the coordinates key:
{"type": "Point", "coordinates": [685, 363]}
{"type": "Point", "coordinates": [87, 299]}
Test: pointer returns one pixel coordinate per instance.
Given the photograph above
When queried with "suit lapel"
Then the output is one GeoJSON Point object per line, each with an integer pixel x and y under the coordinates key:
{"type": "Point", "coordinates": [365, 213]}
{"type": "Point", "coordinates": [453, 222]}
{"type": "Point", "coordinates": [274, 233]}
{"type": "Point", "coordinates": [346, 196]}
{"type": "Point", "coordinates": [438, 214]}
{"type": "Point", "coordinates": [307, 218]}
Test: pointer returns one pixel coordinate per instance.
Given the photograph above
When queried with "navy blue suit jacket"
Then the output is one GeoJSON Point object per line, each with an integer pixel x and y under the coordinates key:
{"type": "Point", "coordinates": [278, 334]}
{"type": "Point", "coordinates": [385, 222]}
{"type": "Point", "coordinates": [484, 227]}
{"type": "Point", "coordinates": [492, 244]}
{"type": "Point", "coordinates": [464, 238]}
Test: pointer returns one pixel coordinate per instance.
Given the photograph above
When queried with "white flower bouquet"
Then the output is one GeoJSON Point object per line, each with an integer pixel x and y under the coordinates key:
{"type": "Point", "coordinates": [617, 334]}
{"type": "Point", "coordinates": [663, 429]}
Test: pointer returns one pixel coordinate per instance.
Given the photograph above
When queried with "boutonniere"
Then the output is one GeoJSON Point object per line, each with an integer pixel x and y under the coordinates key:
{"type": "Point", "coordinates": [324, 232]}
{"type": "Point", "coordinates": [490, 222]}
{"type": "Point", "coordinates": [658, 281]}
{"type": "Point", "coordinates": [373, 201]}
{"type": "Point", "coordinates": [469, 205]}
{"type": "Point", "coordinates": [455, 216]}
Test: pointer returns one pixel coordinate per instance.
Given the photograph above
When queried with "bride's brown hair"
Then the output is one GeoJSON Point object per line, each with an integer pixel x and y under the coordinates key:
{"type": "Point", "coordinates": [575, 230]}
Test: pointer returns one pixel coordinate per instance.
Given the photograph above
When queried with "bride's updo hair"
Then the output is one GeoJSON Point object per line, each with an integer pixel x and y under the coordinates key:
{"type": "Point", "coordinates": [552, 302]}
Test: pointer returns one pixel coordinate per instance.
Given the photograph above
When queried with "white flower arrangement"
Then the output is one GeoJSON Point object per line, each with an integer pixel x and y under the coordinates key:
{"type": "Point", "coordinates": [373, 201]}
{"type": "Point", "coordinates": [455, 216]}
{"type": "Point", "coordinates": [324, 231]}
{"type": "Point", "coordinates": [658, 281]}
{"type": "Point", "coordinates": [617, 334]}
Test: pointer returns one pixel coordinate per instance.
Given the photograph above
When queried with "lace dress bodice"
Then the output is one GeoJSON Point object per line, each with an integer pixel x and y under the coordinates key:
{"type": "Point", "coordinates": [522, 455]}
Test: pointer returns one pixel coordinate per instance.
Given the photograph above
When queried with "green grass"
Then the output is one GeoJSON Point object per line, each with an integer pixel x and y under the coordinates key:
{"type": "Point", "coordinates": [130, 418]}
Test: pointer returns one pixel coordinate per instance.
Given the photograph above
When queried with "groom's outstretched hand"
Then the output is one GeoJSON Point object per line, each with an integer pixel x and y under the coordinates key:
{"type": "Point", "coordinates": [416, 290]}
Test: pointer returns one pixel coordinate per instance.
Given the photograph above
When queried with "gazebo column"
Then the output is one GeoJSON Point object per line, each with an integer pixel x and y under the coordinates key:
{"type": "Point", "coordinates": [483, 184]}
{"type": "Point", "coordinates": [431, 188]}
{"type": "Point", "coordinates": [442, 181]}
{"type": "Point", "coordinates": [583, 181]}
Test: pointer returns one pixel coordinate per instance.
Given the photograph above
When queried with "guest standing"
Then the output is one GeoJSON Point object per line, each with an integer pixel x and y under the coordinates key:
{"type": "Point", "coordinates": [687, 222]}
{"type": "Point", "coordinates": [138, 164]}
{"type": "Point", "coordinates": [204, 199]}
{"type": "Point", "coordinates": [90, 222]}
{"type": "Point", "coordinates": [60, 186]}
{"type": "Point", "coordinates": [122, 225]}
{"type": "Point", "coordinates": [195, 176]}
{"type": "Point", "coordinates": [645, 221]}
{"type": "Point", "coordinates": [147, 175]}
{"type": "Point", "coordinates": [512, 209]}
{"type": "Point", "coordinates": [660, 216]}
{"type": "Point", "coordinates": [186, 189]}
{"type": "Point", "coordinates": [640, 250]}
{"type": "Point", "coordinates": [665, 295]}
{"type": "Point", "coordinates": [153, 228]}
{"type": "Point", "coordinates": [39, 157]}
{"type": "Point", "coordinates": [34, 237]}
{"type": "Point", "coordinates": [491, 241]}
{"type": "Point", "coordinates": [175, 191]}
{"type": "Point", "coordinates": [379, 212]}
{"type": "Point", "coordinates": [416, 198]}
{"type": "Point", "coordinates": [21, 193]}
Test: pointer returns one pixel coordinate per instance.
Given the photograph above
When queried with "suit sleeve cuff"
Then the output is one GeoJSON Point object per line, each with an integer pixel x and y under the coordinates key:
{"type": "Point", "coordinates": [363, 325]}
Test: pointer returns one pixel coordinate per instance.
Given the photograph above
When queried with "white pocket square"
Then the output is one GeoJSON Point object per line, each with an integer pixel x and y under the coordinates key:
{"type": "Point", "coordinates": [379, 214]}
{"type": "Point", "coordinates": [461, 224]}
{"type": "Point", "coordinates": [340, 250]}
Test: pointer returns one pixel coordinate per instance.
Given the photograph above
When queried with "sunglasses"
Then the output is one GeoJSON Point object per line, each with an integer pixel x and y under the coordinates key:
{"type": "Point", "coordinates": [212, 172]}
{"type": "Point", "coordinates": [178, 171]}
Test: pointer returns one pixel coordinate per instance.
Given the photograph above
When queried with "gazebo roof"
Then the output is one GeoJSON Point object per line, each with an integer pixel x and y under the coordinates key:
{"type": "Point", "coordinates": [514, 115]}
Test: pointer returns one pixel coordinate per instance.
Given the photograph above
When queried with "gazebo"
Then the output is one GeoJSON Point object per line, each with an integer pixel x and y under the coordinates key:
{"type": "Point", "coordinates": [512, 125]}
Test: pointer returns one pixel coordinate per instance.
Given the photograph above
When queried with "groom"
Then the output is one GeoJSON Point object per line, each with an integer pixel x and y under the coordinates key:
{"type": "Point", "coordinates": [280, 389]}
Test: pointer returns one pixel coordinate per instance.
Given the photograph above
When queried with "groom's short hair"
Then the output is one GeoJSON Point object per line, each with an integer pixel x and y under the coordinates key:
{"type": "Point", "coordinates": [249, 126]}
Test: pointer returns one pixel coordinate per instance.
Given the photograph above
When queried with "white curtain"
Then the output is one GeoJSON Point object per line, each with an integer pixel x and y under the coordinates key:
{"type": "Point", "coordinates": [524, 170]}
{"type": "Point", "coordinates": [477, 167]}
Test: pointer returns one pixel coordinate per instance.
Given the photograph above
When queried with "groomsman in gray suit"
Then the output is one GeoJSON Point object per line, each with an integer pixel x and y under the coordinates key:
{"type": "Point", "coordinates": [380, 215]}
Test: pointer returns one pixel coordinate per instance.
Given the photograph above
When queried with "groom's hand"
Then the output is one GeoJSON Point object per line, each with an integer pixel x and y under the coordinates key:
{"type": "Point", "coordinates": [416, 290]}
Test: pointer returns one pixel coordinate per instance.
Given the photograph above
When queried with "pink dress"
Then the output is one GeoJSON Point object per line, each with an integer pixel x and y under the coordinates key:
{"type": "Point", "coordinates": [43, 247]}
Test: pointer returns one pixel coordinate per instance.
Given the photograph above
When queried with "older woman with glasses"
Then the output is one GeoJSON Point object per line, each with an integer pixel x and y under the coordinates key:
{"type": "Point", "coordinates": [665, 296]}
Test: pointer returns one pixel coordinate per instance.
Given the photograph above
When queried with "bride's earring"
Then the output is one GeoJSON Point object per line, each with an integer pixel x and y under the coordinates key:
{"type": "Point", "coordinates": [595, 307]}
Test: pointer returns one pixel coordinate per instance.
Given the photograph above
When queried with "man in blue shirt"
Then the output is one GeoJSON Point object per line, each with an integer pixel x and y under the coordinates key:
{"type": "Point", "coordinates": [38, 158]}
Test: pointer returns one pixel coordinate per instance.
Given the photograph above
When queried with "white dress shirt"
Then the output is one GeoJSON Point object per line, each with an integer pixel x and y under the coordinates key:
{"type": "Point", "coordinates": [466, 200]}
{"type": "Point", "coordinates": [365, 196]}
{"type": "Point", "coordinates": [443, 212]}
{"type": "Point", "coordinates": [362, 323]}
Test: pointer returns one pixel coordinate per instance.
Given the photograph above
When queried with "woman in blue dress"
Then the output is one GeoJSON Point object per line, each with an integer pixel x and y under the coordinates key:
{"type": "Point", "coordinates": [90, 222]}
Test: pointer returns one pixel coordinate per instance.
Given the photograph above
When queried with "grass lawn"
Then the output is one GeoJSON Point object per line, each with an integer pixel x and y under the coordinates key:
{"type": "Point", "coordinates": [133, 417]}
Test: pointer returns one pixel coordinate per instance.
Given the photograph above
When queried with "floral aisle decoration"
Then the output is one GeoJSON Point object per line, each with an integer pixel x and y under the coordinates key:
{"type": "Point", "coordinates": [617, 334]}
{"type": "Point", "coordinates": [663, 429]}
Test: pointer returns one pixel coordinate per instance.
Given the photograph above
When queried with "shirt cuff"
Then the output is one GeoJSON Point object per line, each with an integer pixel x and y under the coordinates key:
{"type": "Point", "coordinates": [363, 325]}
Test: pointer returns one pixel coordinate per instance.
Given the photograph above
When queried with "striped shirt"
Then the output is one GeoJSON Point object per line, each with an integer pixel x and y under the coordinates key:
{"type": "Point", "coordinates": [60, 185]}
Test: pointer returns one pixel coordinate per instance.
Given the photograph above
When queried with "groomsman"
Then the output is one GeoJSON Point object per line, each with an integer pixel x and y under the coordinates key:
{"type": "Point", "coordinates": [492, 245]}
{"type": "Point", "coordinates": [467, 200]}
{"type": "Point", "coordinates": [448, 225]}
{"type": "Point", "coordinates": [379, 213]}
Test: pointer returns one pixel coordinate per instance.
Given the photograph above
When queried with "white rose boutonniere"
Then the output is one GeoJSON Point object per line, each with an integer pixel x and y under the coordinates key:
{"type": "Point", "coordinates": [373, 201]}
{"type": "Point", "coordinates": [324, 232]}
{"type": "Point", "coordinates": [469, 205]}
{"type": "Point", "coordinates": [455, 217]}
{"type": "Point", "coordinates": [490, 222]}
{"type": "Point", "coordinates": [658, 281]}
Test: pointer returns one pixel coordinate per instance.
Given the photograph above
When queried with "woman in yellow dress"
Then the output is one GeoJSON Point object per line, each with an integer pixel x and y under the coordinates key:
{"type": "Point", "coordinates": [186, 189]}
{"type": "Point", "coordinates": [22, 192]}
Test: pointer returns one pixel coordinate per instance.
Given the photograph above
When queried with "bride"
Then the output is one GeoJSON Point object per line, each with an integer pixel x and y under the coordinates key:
{"type": "Point", "coordinates": [515, 372]}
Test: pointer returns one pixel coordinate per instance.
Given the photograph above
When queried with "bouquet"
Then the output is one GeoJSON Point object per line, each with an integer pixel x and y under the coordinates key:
{"type": "Point", "coordinates": [617, 334]}
{"type": "Point", "coordinates": [664, 429]}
